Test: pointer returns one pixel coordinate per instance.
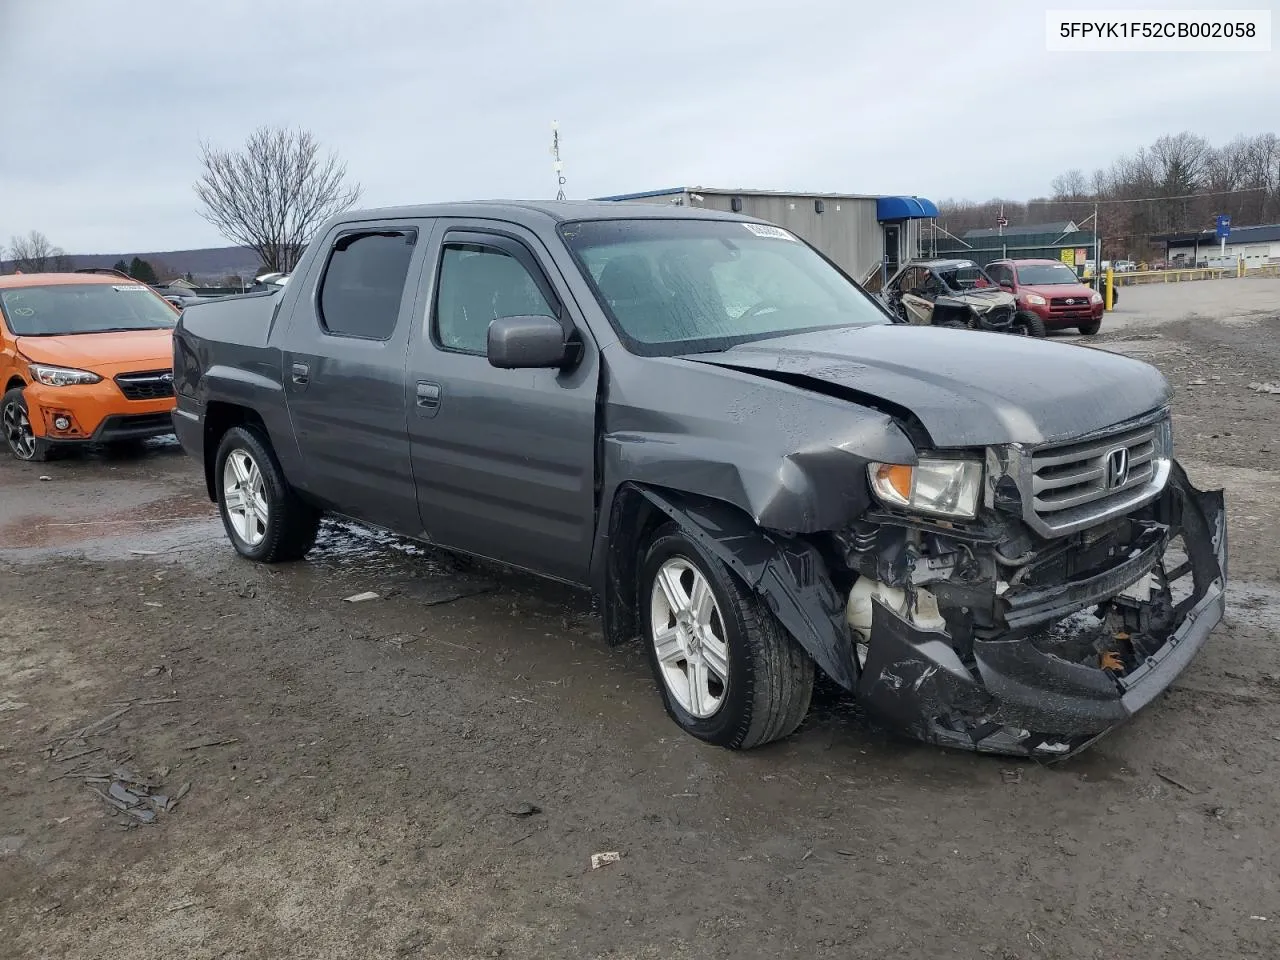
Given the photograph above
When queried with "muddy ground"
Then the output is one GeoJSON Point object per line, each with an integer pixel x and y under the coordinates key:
{"type": "Point", "coordinates": [430, 772]}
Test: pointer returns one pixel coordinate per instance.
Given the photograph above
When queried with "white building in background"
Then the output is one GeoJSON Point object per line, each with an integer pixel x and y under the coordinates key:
{"type": "Point", "coordinates": [1257, 245]}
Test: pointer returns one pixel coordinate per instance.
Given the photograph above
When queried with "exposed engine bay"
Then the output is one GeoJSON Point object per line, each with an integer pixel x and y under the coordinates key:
{"type": "Point", "coordinates": [990, 637]}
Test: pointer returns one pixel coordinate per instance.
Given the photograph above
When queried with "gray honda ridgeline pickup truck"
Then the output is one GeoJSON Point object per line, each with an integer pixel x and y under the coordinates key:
{"type": "Point", "coordinates": [702, 420]}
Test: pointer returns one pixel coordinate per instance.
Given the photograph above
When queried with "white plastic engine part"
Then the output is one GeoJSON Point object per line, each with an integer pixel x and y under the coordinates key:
{"type": "Point", "coordinates": [858, 611]}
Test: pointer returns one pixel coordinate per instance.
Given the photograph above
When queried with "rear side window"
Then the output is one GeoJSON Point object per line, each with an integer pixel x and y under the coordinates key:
{"type": "Point", "coordinates": [364, 283]}
{"type": "Point", "coordinates": [477, 285]}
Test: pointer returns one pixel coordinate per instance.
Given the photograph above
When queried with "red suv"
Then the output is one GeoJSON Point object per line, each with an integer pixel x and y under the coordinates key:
{"type": "Point", "coordinates": [1051, 291]}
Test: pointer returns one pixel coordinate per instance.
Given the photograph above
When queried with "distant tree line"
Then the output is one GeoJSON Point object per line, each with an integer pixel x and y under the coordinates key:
{"type": "Point", "coordinates": [1190, 180]}
{"type": "Point", "coordinates": [34, 253]}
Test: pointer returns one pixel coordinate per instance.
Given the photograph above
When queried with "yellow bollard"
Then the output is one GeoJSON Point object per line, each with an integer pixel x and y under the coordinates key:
{"type": "Point", "coordinates": [1111, 279]}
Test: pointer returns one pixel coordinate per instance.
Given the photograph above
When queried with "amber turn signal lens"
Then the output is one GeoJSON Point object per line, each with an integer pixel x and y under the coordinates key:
{"type": "Point", "coordinates": [896, 477]}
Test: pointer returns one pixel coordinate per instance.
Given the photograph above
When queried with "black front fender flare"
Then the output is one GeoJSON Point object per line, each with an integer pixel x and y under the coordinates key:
{"type": "Point", "coordinates": [788, 573]}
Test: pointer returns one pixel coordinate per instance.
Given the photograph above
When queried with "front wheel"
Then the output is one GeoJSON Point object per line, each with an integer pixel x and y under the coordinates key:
{"type": "Point", "coordinates": [264, 519]}
{"type": "Point", "coordinates": [1089, 329]}
{"type": "Point", "coordinates": [1027, 324]}
{"type": "Point", "coordinates": [15, 421]}
{"type": "Point", "coordinates": [728, 672]}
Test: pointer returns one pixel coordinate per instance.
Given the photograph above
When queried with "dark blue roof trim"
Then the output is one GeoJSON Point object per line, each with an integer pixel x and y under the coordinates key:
{"type": "Point", "coordinates": [646, 194]}
{"type": "Point", "coordinates": [1262, 233]}
{"type": "Point", "coordinates": [905, 208]}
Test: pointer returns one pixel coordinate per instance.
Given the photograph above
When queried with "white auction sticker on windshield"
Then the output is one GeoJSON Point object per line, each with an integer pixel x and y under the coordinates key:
{"type": "Point", "coordinates": [129, 287]}
{"type": "Point", "coordinates": [764, 230]}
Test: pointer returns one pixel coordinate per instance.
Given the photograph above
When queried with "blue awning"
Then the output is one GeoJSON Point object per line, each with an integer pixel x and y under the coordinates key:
{"type": "Point", "coordinates": [905, 208]}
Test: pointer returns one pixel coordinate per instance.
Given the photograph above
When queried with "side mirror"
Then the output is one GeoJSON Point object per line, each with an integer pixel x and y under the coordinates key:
{"type": "Point", "coordinates": [527, 342]}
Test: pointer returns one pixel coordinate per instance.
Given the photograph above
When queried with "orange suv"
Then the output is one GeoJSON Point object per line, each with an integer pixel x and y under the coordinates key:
{"type": "Point", "coordinates": [84, 358]}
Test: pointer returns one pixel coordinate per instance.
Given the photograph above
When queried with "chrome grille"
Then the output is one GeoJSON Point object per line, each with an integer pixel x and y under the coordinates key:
{"type": "Point", "coordinates": [152, 385]}
{"type": "Point", "coordinates": [1070, 306]}
{"type": "Point", "coordinates": [1077, 484]}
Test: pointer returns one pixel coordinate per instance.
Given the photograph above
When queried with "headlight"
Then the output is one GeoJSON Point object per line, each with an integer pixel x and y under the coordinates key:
{"type": "Point", "coordinates": [1036, 299]}
{"type": "Point", "coordinates": [948, 488]}
{"type": "Point", "coordinates": [1095, 297]}
{"type": "Point", "coordinates": [62, 376]}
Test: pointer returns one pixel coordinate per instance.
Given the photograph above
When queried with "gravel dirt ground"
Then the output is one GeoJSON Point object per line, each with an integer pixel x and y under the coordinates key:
{"type": "Point", "coordinates": [428, 773]}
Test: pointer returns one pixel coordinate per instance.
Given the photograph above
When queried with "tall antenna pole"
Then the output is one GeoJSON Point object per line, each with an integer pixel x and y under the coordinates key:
{"type": "Point", "coordinates": [555, 153]}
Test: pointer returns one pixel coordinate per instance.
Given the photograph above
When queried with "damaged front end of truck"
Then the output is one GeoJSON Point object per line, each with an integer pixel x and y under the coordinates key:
{"type": "Point", "coordinates": [1089, 577]}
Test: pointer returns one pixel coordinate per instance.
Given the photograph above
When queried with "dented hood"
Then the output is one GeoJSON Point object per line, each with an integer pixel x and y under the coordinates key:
{"type": "Point", "coordinates": [967, 388]}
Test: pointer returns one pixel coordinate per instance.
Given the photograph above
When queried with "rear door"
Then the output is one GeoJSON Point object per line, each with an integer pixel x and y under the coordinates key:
{"type": "Point", "coordinates": [345, 355]}
{"type": "Point", "coordinates": [504, 460]}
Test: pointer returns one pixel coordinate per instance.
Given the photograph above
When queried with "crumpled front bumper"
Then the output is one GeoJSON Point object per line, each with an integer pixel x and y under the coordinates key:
{"type": "Point", "coordinates": [1018, 699]}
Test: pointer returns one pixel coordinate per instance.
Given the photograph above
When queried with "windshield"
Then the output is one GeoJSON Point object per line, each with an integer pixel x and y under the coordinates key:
{"type": "Point", "coordinates": [965, 277]}
{"type": "Point", "coordinates": [680, 286]}
{"type": "Point", "coordinates": [84, 308]}
{"type": "Point", "coordinates": [1046, 274]}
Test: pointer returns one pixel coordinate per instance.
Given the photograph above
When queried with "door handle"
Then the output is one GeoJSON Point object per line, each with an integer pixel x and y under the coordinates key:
{"type": "Point", "coordinates": [300, 373]}
{"type": "Point", "coordinates": [428, 394]}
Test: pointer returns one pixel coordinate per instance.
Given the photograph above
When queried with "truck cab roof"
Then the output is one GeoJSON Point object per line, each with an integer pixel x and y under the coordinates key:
{"type": "Point", "coordinates": [534, 212]}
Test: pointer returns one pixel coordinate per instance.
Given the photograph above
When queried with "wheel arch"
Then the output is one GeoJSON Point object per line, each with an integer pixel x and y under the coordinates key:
{"type": "Point", "coordinates": [15, 383]}
{"type": "Point", "coordinates": [788, 572]}
{"type": "Point", "coordinates": [219, 417]}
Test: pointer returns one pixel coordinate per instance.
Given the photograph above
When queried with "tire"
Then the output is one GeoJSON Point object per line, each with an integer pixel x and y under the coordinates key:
{"type": "Point", "coordinates": [15, 424]}
{"type": "Point", "coordinates": [1027, 324]}
{"type": "Point", "coordinates": [277, 526]}
{"type": "Point", "coordinates": [1089, 329]}
{"type": "Point", "coordinates": [766, 694]}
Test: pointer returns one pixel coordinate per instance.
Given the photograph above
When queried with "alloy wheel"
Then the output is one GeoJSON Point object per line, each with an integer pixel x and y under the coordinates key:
{"type": "Point", "coordinates": [688, 636]}
{"type": "Point", "coordinates": [244, 493]}
{"type": "Point", "coordinates": [17, 431]}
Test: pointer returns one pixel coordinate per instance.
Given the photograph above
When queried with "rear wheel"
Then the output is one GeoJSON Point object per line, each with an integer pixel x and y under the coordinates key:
{"type": "Point", "coordinates": [728, 672]}
{"type": "Point", "coordinates": [15, 421]}
{"type": "Point", "coordinates": [1027, 324]}
{"type": "Point", "coordinates": [264, 518]}
{"type": "Point", "coordinates": [1089, 329]}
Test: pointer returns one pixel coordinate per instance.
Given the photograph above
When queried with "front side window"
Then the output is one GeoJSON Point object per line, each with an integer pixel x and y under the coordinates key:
{"type": "Point", "coordinates": [679, 286]}
{"type": "Point", "coordinates": [479, 284]}
{"type": "Point", "coordinates": [68, 308]}
{"type": "Point", "coordinates": [364, 283]}
{"type": "Point", "coordinates": [964, 276]}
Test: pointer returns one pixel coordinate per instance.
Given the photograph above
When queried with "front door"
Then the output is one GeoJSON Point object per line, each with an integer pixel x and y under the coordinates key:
{"type": "Point", "coordinates": [892, 247]}
{"type": "Point", "coordinates": [345, 355]}
{"type": "Point", "coordinates": [504, 460]}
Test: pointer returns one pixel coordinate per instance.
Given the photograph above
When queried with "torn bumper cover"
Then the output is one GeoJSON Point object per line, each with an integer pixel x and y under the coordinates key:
{"type": "Point", "coordinates": [1015, 697]}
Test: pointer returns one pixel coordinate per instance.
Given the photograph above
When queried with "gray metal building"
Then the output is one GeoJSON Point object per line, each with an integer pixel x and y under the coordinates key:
{"type": "Point", "coordinates": [857, 231]}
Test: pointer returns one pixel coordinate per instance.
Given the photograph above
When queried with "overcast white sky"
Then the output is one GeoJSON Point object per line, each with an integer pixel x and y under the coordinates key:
{"type": "Point", "coordinates": [104, 104]}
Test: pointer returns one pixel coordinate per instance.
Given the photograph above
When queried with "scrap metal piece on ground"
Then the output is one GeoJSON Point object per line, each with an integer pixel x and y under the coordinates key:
{"type": "Point", "coordinates": [135, 796]}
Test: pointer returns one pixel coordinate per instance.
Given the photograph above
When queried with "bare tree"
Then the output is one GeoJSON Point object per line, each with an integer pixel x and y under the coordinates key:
{"type": "Point", "coordinates": [272, 194]}
{"type": "Point", "coordinates": [35, 254]}
{"type": "Point", "coordinates": [1069, 186]}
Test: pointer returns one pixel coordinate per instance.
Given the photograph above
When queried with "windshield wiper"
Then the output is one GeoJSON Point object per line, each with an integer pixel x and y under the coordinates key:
{"type": "Point", "coordinates": [120, 330]}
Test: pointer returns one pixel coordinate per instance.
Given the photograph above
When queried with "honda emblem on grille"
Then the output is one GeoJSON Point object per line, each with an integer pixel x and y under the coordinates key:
{"type": "Point", "coordinates": [1117, 467]}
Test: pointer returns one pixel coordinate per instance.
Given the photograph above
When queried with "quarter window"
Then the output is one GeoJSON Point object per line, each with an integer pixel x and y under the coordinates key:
{"type": "Point", "coordinates": [477, 285]}
{"type": "Point", "coordinates": [364, 283]}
